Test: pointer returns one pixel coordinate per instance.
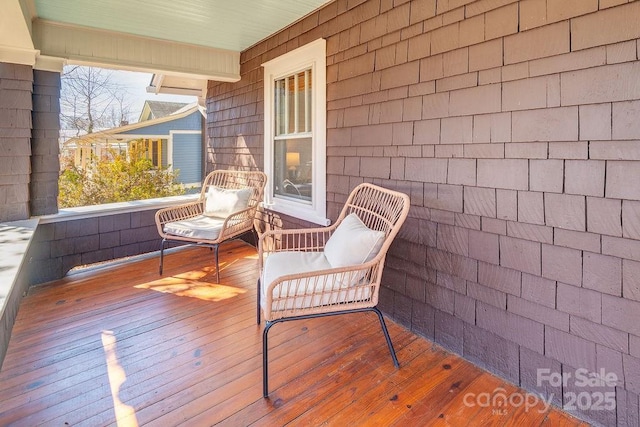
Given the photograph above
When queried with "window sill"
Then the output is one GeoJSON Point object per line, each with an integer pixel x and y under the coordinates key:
{"type": "Point", "coordinates": [300, 212]}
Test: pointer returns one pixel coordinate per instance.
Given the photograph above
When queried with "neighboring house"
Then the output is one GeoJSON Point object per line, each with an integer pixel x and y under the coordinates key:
{"type": "Point", "coordinates": [169, 133]}
{"type": "Point", "coordinates": [158, 109]}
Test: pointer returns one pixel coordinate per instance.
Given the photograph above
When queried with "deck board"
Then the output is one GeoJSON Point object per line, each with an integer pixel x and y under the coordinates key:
{"type": "Point", "coordinates": [120, 345]}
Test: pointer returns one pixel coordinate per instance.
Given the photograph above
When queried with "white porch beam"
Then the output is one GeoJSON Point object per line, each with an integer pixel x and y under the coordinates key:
{"type": "Point", "coordinates": [15, 39]}
{"type": "Point", "coordinates": [49, 63]}
{"type": "Point", "coordinates": [176, 90]}
{"type": "Point", "coordinates": [162, 83]}
{"type": "Point", "coordinates": [87, 46]}
{"type": "Point", "coordinates": [158, 84]}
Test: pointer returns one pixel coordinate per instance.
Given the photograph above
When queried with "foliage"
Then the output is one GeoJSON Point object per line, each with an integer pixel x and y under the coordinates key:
{"type": "Point", "coordinates": [91, 100]}
{"type": "Point", "coordinates": [116, 178]}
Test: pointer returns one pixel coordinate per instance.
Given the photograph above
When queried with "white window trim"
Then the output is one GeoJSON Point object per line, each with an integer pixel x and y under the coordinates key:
{"type": "Point", "coordinates": [310, 55]}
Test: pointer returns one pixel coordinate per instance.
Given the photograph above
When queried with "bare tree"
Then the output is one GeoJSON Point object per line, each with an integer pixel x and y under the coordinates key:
{"type": "Point", "coordinates": [91, 100]}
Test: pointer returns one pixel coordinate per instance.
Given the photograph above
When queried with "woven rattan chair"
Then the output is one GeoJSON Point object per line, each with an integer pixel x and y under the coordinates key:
{"type": "Point", "coordinates": [332, 270]}
{"type": "Point", "coordinates": [225, 210]}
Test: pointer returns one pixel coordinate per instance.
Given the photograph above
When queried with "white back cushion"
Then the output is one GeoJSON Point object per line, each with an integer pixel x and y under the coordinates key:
{"type": "Point", "coordinates": [352, 243]}
{"type": "Point", "coordinates": [222, 202]}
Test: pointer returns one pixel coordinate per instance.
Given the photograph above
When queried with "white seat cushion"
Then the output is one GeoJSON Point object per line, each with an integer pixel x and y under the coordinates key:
{"type": "Point", "coordinates": [283, 263]}
{"type": "Point", "coordinates": [199, 227]}
{"type": "Point", "coordinates": [307, 293]}
{"type": "Point", "coordinates": [352, 243]}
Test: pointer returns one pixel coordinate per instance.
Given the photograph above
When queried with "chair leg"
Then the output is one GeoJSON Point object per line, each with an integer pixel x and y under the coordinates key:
{"type": "Point", "coordinates": [255, 237]}
{"type": "Point", "coordinates": [162, 254]}
{"type": "Point", "coordinates": [265, 360]}
{"type": "Point", "coordinates": [258, 308]}
{"type": "Point", "coordinates": [387, 337]}
{"type": "Point", "coordinates": [215, 253]}
{"type": "Point", "coordinates": [269, 324]}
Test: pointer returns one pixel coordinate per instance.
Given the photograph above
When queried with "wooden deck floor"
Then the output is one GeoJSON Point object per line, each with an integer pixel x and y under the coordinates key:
{"type": "Point", "coordinates": [119, 345]}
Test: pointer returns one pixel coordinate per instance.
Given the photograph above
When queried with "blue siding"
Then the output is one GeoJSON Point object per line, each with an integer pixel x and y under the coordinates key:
{"type": "Point", "coordinates": [191, 122]}
{"type": "Point", "coordinates": [187, 156]}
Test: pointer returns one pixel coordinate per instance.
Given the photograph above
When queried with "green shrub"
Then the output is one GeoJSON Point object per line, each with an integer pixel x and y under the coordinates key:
{"type": "Point", "coordinates": [116, 178]}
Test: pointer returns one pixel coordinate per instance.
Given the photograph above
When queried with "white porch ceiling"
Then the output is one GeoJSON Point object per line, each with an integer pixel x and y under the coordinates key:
{"type": "Point", "coordinates": [222, 24]}
{"type": "Point", "coordinates": [188, 41]}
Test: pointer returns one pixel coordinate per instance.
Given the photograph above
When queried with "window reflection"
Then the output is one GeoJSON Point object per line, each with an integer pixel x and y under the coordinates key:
{"type": "Point", "coordinates": [293, 160]}
{"type": "Point", "coordinates": [293, 166]}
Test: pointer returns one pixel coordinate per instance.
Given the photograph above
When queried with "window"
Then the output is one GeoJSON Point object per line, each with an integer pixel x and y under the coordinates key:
{"type": "Point", "coordinates": [295, 133]}
{"type": "Point", "coordinates": [151, 149]}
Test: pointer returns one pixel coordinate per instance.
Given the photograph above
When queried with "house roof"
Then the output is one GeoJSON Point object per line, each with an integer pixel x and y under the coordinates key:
{"type": "Point", "coordinates": [117, 132]}
{"type": "Point", "coordinates": [157, 109]}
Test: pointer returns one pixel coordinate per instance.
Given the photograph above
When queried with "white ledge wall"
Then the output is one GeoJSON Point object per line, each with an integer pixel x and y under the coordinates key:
{"type": "Point", "coordinates": [96, 211]}
{"type": "Point", "coordinates": [15, 238]}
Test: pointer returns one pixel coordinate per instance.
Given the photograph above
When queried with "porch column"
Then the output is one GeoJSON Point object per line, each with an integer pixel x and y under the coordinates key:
{"type": "Point", "coordinates": [16, 82]}
{"type": "Point", "coordinates": [45, 163]}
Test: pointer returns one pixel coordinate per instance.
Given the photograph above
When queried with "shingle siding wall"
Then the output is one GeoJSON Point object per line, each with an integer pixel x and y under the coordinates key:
{"type": "Point", "coordinates": [514, 127]}
{"type": "Point", "coordinates": [234, 123]}
{"type": "Point", "coordinates": [58, 247]}
{"type": "Point", "coordinates": [16, 83]}
{"type": "Point", "coordinates": [45, 164]}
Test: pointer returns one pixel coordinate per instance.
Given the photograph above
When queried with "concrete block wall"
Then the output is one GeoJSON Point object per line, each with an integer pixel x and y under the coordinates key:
{"type": "Point", "coordinates": [16, 82]}
{"type": "Point", "coordinates": [514, 127]}
{"type": "Point", "coordinates": [45, 164]}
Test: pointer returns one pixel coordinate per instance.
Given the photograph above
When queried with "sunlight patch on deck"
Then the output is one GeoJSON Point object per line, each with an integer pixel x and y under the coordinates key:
{"type": "Point", "coordinates": [125, 414]}
{"type": "Point", "coordinates": [190, 287]}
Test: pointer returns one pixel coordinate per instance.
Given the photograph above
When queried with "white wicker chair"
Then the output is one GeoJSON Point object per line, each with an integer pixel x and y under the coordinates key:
{"type": "Point", "coordinates": [190, 222]}
{"type": "Point", "coordinates": [304, 274]}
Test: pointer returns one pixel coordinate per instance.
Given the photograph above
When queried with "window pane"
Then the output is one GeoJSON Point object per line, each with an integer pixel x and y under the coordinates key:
{"type": "Point", "coordinates": [308, 99]}
{"type": "Point", "coordinates": [292, 104]}
{"type": "Point", "coordinates": [303, 104]}
{"type": "Point", "coordinates": [279, 107]}
{"type": "Point", "coordinates": [293, 168]}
